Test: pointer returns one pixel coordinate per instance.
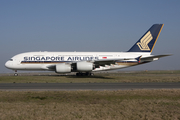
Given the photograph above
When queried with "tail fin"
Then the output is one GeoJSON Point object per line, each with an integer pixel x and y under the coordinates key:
{"type": "Point", "coordinates": [148, 40]}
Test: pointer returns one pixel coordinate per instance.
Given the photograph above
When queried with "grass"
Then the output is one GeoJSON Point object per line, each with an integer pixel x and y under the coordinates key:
{"type": "Point", "coordinates": [90, 105]}
{"type": "Point", "coordinates": [120, 77]}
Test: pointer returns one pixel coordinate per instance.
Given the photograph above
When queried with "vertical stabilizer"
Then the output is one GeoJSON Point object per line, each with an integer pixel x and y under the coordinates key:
{"type": "Point", "coordinates": [147, 42]}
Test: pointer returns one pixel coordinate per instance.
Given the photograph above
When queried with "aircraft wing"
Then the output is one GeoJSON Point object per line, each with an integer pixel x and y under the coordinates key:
{"type": "Point", "coordinates": [103, 62]}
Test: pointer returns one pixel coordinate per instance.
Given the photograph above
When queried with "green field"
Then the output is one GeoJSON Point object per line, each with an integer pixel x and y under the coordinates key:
{"type": "Point", "coordinates": [90, 105]}
{"type": "Point", "coordinates": [113, 77]}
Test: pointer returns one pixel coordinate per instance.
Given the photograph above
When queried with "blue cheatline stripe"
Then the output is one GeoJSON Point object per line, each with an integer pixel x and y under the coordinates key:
{"type": "Point", "coordinates": [32, 62]}
{"type": "Point", "coordinates": [68, 61]}
{"type": "Point", "coordinates": [55, 62]}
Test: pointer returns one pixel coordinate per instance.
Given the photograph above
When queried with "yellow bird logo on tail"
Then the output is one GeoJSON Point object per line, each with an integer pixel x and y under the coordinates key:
{"type": "Point", "coordinates": [143, 44]}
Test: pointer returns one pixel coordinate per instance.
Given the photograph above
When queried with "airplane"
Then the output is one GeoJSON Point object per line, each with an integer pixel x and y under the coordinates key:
{"type": "Point", "coordinates": [85, 63]}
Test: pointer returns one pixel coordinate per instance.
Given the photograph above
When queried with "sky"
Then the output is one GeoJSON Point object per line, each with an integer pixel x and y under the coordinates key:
{"type": "Point", "coordinates": [89, 26]}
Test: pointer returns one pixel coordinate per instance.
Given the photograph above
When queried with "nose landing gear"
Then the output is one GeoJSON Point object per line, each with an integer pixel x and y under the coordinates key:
{"type": "Point", "coordinates": [15, 74]}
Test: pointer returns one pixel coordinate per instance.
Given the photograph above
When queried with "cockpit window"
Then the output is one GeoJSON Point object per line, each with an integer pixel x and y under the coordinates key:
{"type": "Point", "coordinates": [11, 60]}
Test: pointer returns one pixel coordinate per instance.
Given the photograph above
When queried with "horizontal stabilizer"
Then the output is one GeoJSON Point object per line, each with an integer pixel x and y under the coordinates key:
{"type": "Point", "coordinates": [154, 57]}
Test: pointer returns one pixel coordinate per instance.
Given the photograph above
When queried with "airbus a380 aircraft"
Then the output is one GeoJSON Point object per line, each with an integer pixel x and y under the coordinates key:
{"type": "Point", "coordinates": [86, 62]}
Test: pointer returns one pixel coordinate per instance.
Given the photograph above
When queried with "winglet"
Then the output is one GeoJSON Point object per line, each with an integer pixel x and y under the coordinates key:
{"type": "Point", "coordinates": [147, 42]}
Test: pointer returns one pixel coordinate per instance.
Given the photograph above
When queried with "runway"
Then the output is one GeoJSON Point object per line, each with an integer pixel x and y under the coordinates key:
{"type": "Point", "coordinates": [85, 86]}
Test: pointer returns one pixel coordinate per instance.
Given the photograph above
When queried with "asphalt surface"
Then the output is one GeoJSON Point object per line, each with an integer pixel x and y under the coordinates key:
{"type": "Point", "coordinates": [86, 86]}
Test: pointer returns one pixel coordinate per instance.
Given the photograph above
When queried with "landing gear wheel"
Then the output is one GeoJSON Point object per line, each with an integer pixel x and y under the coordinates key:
{"type": "Point", "coordinates": [78, 74]}
{"type": "Point", "coordinates": [15, 74]}
{"type": "Point", "coordinates": [91, 74]}
{"type": "Point", "coordinates": [87, 74]}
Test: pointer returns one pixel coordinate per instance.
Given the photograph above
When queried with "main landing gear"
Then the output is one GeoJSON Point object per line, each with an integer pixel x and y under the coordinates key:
{"type": "Point", "coordinates": [84, 74]}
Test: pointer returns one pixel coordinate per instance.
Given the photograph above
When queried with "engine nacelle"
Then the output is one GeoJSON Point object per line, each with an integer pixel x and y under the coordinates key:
{"type": "Point", "coordinates": [63, 68]}
{"type": "Point", "coordinates": [84, 66]}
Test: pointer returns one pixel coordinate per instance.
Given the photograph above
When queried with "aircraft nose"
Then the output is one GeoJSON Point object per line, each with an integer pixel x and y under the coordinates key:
{"type": "Point", "coordinates": [8, 64]}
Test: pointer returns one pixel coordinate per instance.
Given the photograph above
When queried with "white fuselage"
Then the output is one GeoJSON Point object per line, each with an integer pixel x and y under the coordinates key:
{"type": "Point", "coordinates": [42, 60]}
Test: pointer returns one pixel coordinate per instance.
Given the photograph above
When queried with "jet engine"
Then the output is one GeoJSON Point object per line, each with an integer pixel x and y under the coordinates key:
{"type": "Point", "coordinates": [84, 66]}
{"type": "Point", "coordinates": [63, 68]}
